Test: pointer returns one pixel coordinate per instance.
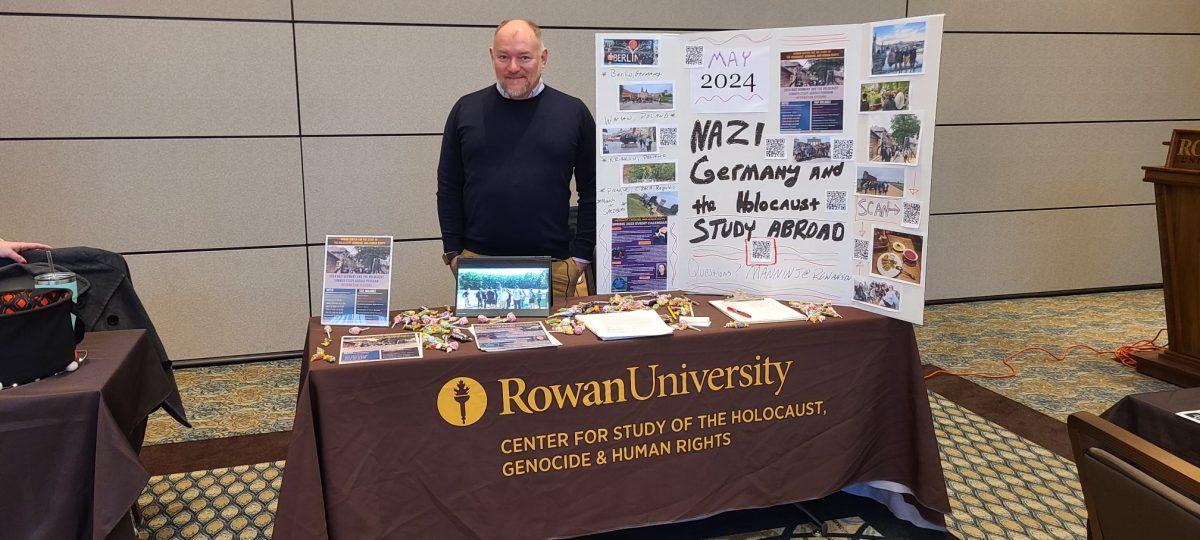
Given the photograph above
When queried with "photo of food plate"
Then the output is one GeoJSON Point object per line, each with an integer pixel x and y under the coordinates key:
{"type": "Point", "coordinates": [897, 255]}
{"type": "Point", "coordinates": [888, 265]}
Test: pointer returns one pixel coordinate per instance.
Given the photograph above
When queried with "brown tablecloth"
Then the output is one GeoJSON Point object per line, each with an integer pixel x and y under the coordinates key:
{"type": "Point", "coordinates": [372, 457]}
{"type": "Point", "coordinates": [69, 444]}
{"type": "Point", "coordinates": [1151, 416]}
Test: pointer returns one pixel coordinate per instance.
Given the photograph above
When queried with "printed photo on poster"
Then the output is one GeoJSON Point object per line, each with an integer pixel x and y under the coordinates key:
{"type": "Point", "coordinates": [380, 347]}
{"type": "Point", "coordinates": [877, 293]}
{"type": "Point", "coordinates": [630, 52]}
{"type": "Point", "coordinates": [811, 90]}
{"type": "Point", "coordinates": [648, 96]}
{"type": "Point", "coordinates": [898, 48]}
{"type": "Point", "coordinates": [881, 181]}
{"type": "Point", "coordinates": [357, 280]}
{"type": "Point", "coordinates": [894, 138]}
{"type": "Point", "coordinates": [630, 140]}
{"type": "Point", "coordinates": [647, 173]}
{"type": "Point", "coordinates": [639, 254]}
{"type": "Point", "coordinates": [811, 148]}
{"type": "Point", "coordinates": [884, 96]}
{"type": "Point", "coordinates": [897, 255]}
{"type": "Point", "coordinates": [655, 204]}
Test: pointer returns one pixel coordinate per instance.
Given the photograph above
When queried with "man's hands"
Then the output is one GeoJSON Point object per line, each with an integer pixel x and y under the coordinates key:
{"type": "Point", "coordinates": [454, 265]}
{"type": "Point", "coordinates": [12, 250]}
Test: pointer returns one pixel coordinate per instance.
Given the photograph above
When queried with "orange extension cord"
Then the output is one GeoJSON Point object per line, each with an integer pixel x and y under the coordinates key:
{"type": "Point", "coordinates": [1124, 355]}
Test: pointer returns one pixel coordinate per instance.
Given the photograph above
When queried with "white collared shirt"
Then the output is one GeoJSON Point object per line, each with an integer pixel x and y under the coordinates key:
{"type": "Point", "coordinates": [536, 90]}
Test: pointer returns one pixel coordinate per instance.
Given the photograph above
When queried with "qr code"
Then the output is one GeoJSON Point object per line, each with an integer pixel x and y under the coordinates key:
{"type": "Point", "coordinates": [693, 55]}
{"type": "Point", "coordinates": [667, 135]}
{"type": "Point", "coordinates": [775, 147]}
{"type": "Point", "coordinates": [912, 214]}
{"type": "Point", "coordinates": [862, 250]}
{"type": "Point", "coordinates": [843, 150]}
{"type": "Point", "coordinates": [835, 201]}
{"type": "Point", "coordinates": [761, 251]}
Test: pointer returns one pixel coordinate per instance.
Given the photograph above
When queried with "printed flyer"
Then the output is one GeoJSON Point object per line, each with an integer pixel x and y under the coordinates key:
{"type": "Point", "coordinates": [358, 280]}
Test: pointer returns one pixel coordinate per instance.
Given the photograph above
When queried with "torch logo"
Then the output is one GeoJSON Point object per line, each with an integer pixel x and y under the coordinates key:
{"type": "Point", "coordinates": [462, 401]}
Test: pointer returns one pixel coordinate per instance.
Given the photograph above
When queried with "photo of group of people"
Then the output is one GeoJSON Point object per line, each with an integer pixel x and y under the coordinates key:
{"type": "Point", "coordinates": [353, 259]}
{"type": "Point", "coordinates": [662, 203]}
{"type": "Point", "coordinates": [656, 96]}
{"type": "Point", "coordinates": [631, 52]}
{"type": "Point", "coordinates": [884, 96]}
{"type": "Point", "coordinates": [648, 173]}
{"type": "Point", "coordinates": [503, 288]}
{"type": "Point", "coordinates": [881, 181]}
{"type": "Point", "coordinates": [629, 140]}
{"type": "Point", "coordinates": [877, 293]}
{"type": "Point", "coordinates": [898, 48]}
{"type": "Point", "coordinates": [897, 255]}
{"type": "Point", "coordinates": [811, 148]}
{"type": "Point", "coordinates": [895, 138]}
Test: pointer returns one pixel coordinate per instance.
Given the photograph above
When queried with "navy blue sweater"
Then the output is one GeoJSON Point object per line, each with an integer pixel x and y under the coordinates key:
{"type": "Point", "coordinates": [505, 173]}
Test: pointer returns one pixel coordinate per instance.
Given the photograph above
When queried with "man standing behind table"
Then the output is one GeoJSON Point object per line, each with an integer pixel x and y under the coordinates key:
{"type": "Point", "coordinates": [508, 154]}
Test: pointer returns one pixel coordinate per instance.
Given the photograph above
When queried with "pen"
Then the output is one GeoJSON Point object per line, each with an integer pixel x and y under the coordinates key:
{"type": "Point", "coordinates": [737, 311]}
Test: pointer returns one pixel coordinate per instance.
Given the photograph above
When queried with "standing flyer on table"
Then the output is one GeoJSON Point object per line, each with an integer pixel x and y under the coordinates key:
{"type": "Point", "coordinates": [358, 280]}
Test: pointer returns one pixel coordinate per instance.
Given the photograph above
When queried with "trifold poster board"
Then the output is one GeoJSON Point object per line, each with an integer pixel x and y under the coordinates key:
{"type": "Point", "coordinates": [785, 162]}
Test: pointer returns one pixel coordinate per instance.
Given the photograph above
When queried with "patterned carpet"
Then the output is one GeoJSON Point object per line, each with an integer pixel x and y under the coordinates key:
{"type": "Point", "coordinates": [1001, 486]}
{"type": "Point", "coordinates": [977, 336]}
{"type": "Point", "coordinates": [223, 401]}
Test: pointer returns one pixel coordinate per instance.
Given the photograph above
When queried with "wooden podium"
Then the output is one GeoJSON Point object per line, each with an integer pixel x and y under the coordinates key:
{"type": "Point", "coordinates": [1177, 199]}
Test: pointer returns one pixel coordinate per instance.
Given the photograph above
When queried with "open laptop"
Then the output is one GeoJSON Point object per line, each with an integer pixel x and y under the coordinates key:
{"type": "Point", "coordinates": [499, 285]}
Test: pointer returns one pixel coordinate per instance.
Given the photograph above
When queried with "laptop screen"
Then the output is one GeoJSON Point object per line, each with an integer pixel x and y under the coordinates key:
{"type": "Point", "coordinates": [499, 285]}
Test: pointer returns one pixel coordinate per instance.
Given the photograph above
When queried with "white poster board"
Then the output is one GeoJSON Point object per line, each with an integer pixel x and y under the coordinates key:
{"type": "Point", "coordinates": [788, 162]}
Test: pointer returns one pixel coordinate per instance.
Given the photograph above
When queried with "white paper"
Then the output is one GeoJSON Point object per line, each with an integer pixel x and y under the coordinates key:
{"type": "Point", "coordinates": [1190, 415]}
{"type": "Point", "coordinates": [766, 310]}
{"type": "Point", "coordinates": [732, 79]}
{"type": "Point", "coordinates": [625, 324]}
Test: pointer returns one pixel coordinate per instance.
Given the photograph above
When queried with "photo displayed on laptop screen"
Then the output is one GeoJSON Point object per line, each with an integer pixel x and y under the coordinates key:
{"type": "Point", "coordinates": [499, 285]}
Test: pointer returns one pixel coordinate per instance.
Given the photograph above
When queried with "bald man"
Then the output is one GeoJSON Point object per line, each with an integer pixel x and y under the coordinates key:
{"type": "Point", "coordinates": [508, 154]}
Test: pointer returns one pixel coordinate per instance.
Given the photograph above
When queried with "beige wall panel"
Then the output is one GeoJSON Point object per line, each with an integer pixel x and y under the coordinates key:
{"type": "Point", "coordinates": [1064, 15]}
{"type": "Point", "coordinates": [392, 182]}
{"type": "Point", "coordinates": [232, 9]}
{"type": "Point", "coordinates": [1017, 252]}
{"type": "Point", "coordinates": [418, 275]}
{"type": "Point", "coordinates": [1024, 78]}
{"type": "Point", "coordinates": [222, 303]}
{"type": "Point", "coordinates": [1042, 166]}
{"type": "Point", "coordinates": [705, 14]}
{"type": "Point", "coordinates": [374, 79]}
{"type": "Point", "coordinates": [147, 195]}
{"type": "Point", "coordinates": [63, 76]}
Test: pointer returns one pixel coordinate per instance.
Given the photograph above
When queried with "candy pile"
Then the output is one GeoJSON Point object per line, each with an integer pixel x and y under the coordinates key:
{"type": "Point", "coordinates": [815, 312]}
{"type": "Point", "coordinates": [564, 320]}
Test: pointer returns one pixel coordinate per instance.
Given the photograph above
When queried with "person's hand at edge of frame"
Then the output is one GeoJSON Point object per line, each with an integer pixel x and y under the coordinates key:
{"type": "Point", "coordinates": [12, 250]}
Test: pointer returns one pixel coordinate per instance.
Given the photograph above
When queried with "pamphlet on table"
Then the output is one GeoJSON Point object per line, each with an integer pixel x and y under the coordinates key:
{"type": "Point", "coordinates": [763, 310]}
{"type": "Point", "coordinates": [380, 347]}
{"type": "Point", "coordinates": [625, 324]}
{"type": "Point", "coordinates": [512, 336]}
{"type": "Point", "coordinates": [358, 280]}
{"type": "Point", "coordinates": [1190, 415]}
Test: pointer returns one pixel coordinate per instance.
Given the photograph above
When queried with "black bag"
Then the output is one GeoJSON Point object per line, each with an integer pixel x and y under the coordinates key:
{"type": "Point", "coordinates": [36, 337]}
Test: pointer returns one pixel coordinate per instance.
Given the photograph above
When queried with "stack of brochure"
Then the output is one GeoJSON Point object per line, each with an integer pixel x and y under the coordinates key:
{"type": "Point", "coordinates": [764, 310]}
{"type": "Point", "coordinates": [625, 324]}
{"type": "Point", "coordinates": [512, 336]}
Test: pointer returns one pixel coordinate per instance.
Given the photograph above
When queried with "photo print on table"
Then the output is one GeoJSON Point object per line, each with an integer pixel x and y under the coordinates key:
{"type": "Point", "coordinates": [898, 48]}
{"type": "Point", "coordinates": [629, 140]}
{"type": "Point", "coordinates": [881, 294]}
{"type": "Point", "coordinates": [881, 181]}
{"type": "Point", "coordinates": [894, 138]}
{"type": "Point", "coordinates": [659, 172]}
{"type": "Point", "coordinates": [646, 96]}
{"type": "Point", "coordinates": [884, 96]}
{"type": "Point", "coordinates": [631, 52]}
{"type": "Point", "coordinates": [897, 255]}
{"type": "Point", "coordinates": [652, 204]}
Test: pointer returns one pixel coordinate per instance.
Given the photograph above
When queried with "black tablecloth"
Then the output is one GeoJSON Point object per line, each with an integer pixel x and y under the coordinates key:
{"type": "Point", "coordinates": [69, 444]}
{"type": "Point", "coordinates": [1151, 416]}
{"type": "Point", "coordinates": [378, 449]}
